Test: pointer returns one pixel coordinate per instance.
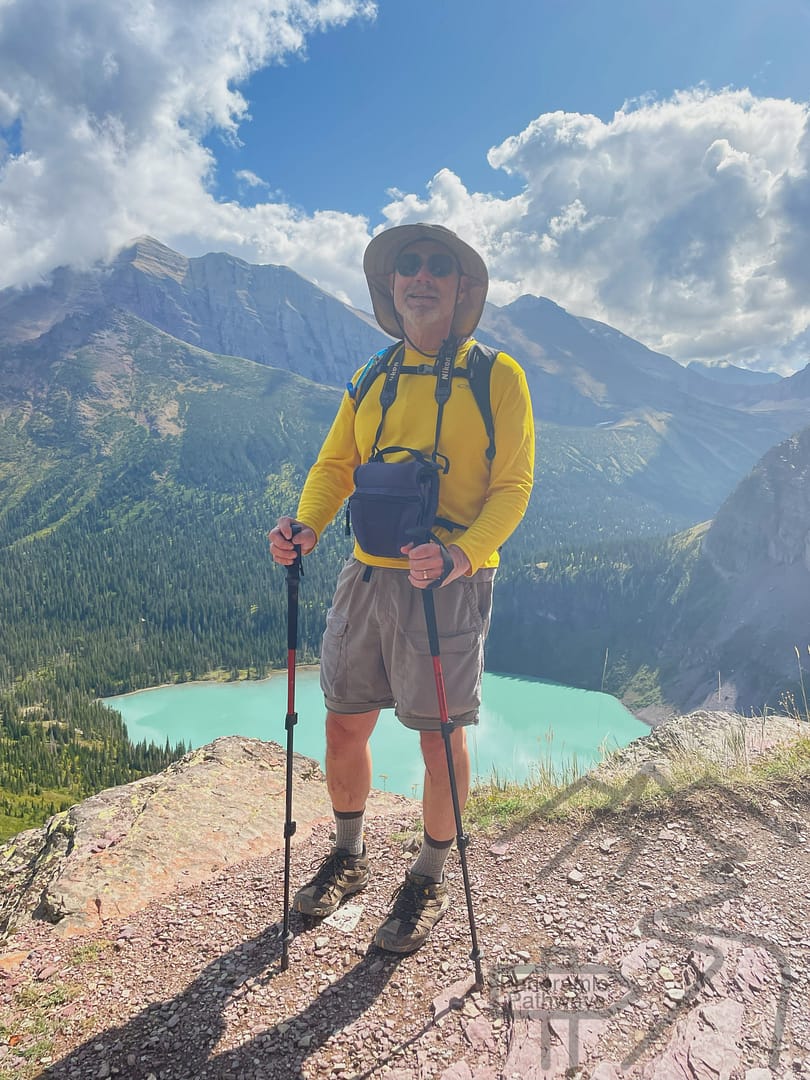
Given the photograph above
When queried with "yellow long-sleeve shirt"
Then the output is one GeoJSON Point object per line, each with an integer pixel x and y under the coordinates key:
{"type": "Point", "coordinates": [490, 498]}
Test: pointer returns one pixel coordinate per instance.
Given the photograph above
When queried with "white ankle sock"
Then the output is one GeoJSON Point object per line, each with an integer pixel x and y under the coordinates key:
{"type": "Point", "coordinates": [431, 858]}
{"type": "Point", "coordinates": [349, 831]}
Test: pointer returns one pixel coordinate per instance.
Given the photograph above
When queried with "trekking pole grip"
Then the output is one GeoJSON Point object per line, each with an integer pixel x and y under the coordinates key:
{"type": "Point", "coordinates": [294, 572]}
{"type": "Point", "coordinates": [296, 569]}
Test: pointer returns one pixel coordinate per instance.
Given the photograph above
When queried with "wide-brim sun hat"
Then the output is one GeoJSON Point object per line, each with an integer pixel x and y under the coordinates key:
{"type": "Point", "coordinates": [378, 264]}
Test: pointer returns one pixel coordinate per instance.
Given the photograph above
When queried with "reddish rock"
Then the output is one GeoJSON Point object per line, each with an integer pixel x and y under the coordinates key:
{"type": "Point", "coordinates": [452, 997]}
{"type": "Point", "coordinates": [114, 853]}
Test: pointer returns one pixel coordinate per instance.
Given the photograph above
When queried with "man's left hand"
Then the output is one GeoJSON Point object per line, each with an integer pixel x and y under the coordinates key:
{"type": "Point", "coordinates": [427, 566]}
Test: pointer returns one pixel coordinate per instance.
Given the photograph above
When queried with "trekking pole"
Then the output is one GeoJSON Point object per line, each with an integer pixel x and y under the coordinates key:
{"type": "Point", "coordinates": [294, 572]}
{"type": "Point", "coordinates": [461, 837]}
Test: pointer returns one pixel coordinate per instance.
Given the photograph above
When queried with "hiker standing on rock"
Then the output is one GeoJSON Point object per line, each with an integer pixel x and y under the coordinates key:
{"type": "Point", "coordinates": [418, 423]}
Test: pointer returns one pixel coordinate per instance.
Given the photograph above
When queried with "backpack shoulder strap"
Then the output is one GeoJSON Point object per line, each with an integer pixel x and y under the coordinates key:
{"type": "Point", "coordinates": [376, 366]}
{"type": "Point", "coordinates": [479, 369]}
{"type": "Point", "coordinates": [479, 365]}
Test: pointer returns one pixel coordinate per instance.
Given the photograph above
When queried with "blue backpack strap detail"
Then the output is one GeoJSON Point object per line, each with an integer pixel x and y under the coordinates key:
{"type": "Point", "coordinates": [373, 367]}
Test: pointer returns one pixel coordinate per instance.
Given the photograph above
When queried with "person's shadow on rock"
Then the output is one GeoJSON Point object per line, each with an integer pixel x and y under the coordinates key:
{"type": "Point", "coordinates": [177, 1039]}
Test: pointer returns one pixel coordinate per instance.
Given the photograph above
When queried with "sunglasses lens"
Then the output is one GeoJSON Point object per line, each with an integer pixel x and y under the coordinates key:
{"type": "Point", "coordinates": [409, 263]}
{"type": "Point", "coordinates": [440, 265]}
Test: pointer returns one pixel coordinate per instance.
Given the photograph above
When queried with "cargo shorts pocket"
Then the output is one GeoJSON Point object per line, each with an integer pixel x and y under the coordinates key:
{"type": "Point", "coordinates": [461, 658]}
{"type": "Point", "coordinates": [333, 656]}
{"type": "Point", "coordinates": [478, 596]}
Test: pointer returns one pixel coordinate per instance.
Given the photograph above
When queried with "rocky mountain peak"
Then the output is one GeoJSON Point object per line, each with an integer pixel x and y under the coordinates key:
{"type": "Point", "coordinates": [149, 256]}
{"type": "Point", "coordinates": [767, 519]}
{"type": "Point", "coordinates": [268, 314]}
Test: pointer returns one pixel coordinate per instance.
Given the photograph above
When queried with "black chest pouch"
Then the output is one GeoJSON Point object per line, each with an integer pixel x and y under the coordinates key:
{"type": "Point", "coordinates": [394, 503]}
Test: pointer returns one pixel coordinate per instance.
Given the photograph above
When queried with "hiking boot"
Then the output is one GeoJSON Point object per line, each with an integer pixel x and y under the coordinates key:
{"type": "Point", "coordinates": [340, 874]}
{"type": "Point", "coordinates": [418, 906]}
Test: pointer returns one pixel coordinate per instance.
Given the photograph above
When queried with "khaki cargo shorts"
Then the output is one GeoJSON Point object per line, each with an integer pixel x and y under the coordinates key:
{"type": "Point", "coordinates": [375, 652]}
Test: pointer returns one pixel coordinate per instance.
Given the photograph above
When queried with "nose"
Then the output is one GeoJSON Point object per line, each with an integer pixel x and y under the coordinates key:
{"type": "Point", "coordinates": [423, 273]}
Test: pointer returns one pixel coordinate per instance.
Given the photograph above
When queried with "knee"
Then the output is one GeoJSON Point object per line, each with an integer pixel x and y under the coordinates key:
{"type": "Point", "coordinates": [434, 753]}
{"type": "Point", "coordinates": [345, 733]}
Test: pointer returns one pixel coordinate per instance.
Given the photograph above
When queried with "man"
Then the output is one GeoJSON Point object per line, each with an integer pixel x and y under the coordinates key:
{"type": "Point", "coordinates": [428, 289]}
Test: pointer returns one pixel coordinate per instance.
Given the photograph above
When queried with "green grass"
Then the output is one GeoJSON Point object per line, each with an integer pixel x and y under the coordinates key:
{"type": "Point", "coordinates": [498, 802]}
{"type": "Point", "coordinates": [86, 954]}
{"type": "Point", "coordinates": [10, 826]}
{"type": "Point", "coordinates": [33, 1034]}
{"type": "Point", "coordinates": [30, 811]}
{"type": "Point", "coordinates": [548, 796]}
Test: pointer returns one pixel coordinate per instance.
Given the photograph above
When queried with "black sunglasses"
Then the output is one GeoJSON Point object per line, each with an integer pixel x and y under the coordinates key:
{"type": "Point", "coordinates": [439, 264]}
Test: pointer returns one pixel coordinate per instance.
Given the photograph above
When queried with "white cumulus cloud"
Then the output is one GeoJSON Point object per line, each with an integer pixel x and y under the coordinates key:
{"type": "Point", "coordinates": [112, 104]}
{"type": "Point", "coordinates": [683, 222]}
{"type": "Point", "coordinates": [247, 176]}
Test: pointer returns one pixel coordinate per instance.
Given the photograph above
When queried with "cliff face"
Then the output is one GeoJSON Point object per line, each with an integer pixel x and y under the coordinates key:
{"type": "Point", "coordinates": [223, 804]}
{"type": "Point", "coordinates": [714, 617]}
{"type": "Point", "coordinates": [766, 522]}
{"type": "Point", "coordinates": [744, 627]}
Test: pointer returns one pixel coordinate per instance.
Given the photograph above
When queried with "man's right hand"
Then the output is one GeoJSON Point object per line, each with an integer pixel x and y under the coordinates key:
{"type": "Point", "coordinates": [281, 545]}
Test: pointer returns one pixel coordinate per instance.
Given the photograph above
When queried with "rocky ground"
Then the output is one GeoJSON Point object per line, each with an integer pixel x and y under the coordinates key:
{"type": "Point", "coordinates": [666, 944]}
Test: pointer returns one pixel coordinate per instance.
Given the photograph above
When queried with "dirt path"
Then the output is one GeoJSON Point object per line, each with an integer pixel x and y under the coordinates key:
{"type": "Point", "coordinates": [666, 944]}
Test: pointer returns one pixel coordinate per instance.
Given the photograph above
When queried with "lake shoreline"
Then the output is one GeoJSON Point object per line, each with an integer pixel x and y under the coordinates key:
{"type": "Point", "coordinates": [650, 716]}
{"type": "Point", "coordinates": [212, 681]}
{"type": "Point", "coordinates": [528, 725]}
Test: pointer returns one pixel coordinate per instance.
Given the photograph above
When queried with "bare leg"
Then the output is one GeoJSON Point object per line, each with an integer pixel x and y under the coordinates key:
{"type": "Point", "coordinates": [437, 803]}
{"type": "Point", "coordinates": [348, 780]}
{"type": "Point", "coordinates": [348, 759]}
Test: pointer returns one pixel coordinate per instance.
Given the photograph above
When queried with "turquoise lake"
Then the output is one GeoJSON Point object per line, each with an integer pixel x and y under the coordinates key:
{"type": "Point", "coordinates": [523, 722]}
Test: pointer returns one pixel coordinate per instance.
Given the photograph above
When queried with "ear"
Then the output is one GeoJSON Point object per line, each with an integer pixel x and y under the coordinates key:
{"type": "Point", "coordinates": [463, 287]}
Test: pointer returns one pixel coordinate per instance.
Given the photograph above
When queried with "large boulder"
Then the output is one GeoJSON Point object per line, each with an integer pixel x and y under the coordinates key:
{"type": "Point", "coordinates": [117, 851]}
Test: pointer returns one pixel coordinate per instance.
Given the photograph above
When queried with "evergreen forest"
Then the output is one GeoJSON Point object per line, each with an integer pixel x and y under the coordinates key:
{"type": "Point", "coordinates": [175, 583]}
{"type": "Point", "coordinates": [138, 479]}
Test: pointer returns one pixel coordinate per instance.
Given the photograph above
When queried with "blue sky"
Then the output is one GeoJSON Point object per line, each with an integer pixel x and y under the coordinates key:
{"type": "Point", "coordinates": [644, 162]}
{"type": "Point", "coordinates": [432, 84]}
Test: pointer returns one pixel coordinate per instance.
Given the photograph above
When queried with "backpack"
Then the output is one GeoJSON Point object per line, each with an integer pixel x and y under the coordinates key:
{"type": "Point", "coordinates": [394, 503]}
{"type": "Point", "coordinates": [478, 372]}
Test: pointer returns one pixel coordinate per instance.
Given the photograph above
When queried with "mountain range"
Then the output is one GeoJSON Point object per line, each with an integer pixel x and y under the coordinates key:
{"type": "Point", "coordinates": [157, 412]}
{"type": "Point", "coordinates": [629, 439]}
{"type": "Point", "coordinates": [732, 373]}
{"type": "Point", "coordinates": [222, 305]}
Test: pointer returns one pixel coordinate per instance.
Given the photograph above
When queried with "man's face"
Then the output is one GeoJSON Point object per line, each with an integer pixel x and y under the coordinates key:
{"type": "Point", "coordinates": [424, 300]}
